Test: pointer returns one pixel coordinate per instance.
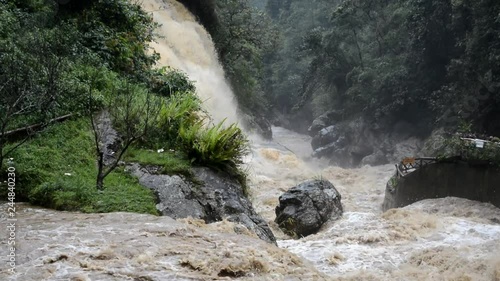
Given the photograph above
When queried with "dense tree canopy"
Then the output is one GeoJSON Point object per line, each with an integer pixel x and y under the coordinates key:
{"type": "Point", "coordinates": [427, 62]}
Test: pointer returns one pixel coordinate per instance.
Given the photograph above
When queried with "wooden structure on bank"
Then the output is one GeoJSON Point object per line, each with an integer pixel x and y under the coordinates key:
{"type": "Point", "coordinates": [410, 164]}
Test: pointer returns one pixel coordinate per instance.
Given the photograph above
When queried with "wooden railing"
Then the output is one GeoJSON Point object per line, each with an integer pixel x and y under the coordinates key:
{"type": "Point", "coordinates": [409, 164]}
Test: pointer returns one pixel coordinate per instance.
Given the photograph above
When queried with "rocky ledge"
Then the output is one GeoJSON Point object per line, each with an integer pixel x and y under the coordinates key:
{"type": "Point", "coordinates": [354, 142]}
{"type": "Point", "coordinates": [208, 195]}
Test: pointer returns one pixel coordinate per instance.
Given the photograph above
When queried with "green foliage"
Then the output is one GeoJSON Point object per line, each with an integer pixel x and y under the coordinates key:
{"type": "Point", "coordinates": [133, 109]}
{"type": "Point", "coordinates": [218, 147]}
{"type": "Point", "coordinates": [33, 60]}
{"type": "Point", "coordinates": [181, 108]}
{"type": "Point", "coordinates": [82, 58]}
{"type": "Point", "coordinates": [413, 60]}
{"type": "Point", "coordinates": [393, 181]}
{"type": "Point", "coordinates": [467, 150]}
{"type": "Point", "coordinates": [65, 193]}
{"type": "Point", "coordinates": [119, 32]}
{"type": "Point", "coordinates": [166, 81]}
{"type": "Point", "coordinates": [57, 169]}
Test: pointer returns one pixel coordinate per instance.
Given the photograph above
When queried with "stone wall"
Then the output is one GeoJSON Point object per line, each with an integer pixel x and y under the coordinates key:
{"type": "Point", "coordinates": [458, 179]}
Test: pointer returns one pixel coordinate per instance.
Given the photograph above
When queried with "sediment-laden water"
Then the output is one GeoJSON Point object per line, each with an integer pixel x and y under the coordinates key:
{"type": "Point", "coordinates": [439, 239]}
{"type": "Point", "coordinates": [185, 45]}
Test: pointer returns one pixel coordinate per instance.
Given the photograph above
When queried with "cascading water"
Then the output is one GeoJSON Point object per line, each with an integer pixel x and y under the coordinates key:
{"type": "Point", "coordinates": [440, 239]}
{"type": "Point", "coordinates": [185, 45]}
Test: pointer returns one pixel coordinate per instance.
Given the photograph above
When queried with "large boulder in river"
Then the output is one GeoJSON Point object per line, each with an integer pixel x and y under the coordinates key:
{"type": "Point", "coordinates": [304, 208]}
{"type": "Point", "coordinates": [209, 195]}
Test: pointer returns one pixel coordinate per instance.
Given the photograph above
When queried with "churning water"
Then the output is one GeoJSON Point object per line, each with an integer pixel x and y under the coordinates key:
{"type": "Point", "coordinates": [185, 45]}
{"type": "Point", "coordinates": [439, 239]}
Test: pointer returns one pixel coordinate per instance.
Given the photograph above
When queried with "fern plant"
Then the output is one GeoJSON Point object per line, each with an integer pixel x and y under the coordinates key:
{"type": "Point", "coordinates": [217, 146]}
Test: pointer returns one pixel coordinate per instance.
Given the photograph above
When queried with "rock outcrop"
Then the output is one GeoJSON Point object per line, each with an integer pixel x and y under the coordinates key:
{"type": "Point", "coordinates": [351, 143]}
{"type": "Point", "coordinates": [258, 125]}
{"type": "Point", "coordinates": [304, 208]}
{"type": "Point", "coordinates": [211, 196]}
{"type": "Point", "coordinates": [109, 137]}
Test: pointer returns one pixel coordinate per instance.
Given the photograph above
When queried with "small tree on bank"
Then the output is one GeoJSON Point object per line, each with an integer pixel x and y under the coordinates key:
{"type": "Point", "coordinates": [132, 110]}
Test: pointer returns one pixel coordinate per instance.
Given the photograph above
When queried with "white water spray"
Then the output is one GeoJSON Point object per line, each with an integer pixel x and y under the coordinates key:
{"type": "Point", "coordinates": [440, 239]}
{"type": "Point", "coordinates": [186, 45]}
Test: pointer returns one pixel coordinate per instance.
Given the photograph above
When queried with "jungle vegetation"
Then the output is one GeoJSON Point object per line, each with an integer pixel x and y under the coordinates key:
{"type": "Point", "coordinates": [79, 61]}
{"type": "Point", "coordinates": [428, 62]}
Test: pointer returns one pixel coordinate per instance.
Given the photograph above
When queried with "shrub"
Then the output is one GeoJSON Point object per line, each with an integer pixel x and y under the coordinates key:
{"type": "Point", "coordinates": [467, 150]}
{"type": "Point", "coordinates": [166, 81]}
{"type": "Point", "coordinates": [180, 108]}
{"type": "Point", "coordinates": [69, 193]}
{"type": "Point", "coordinates": [218, 147]}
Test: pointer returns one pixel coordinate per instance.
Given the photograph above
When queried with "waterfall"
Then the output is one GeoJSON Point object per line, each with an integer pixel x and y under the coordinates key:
{"type": "Point", "coordinates": [434, 239]}
{"type": "Point", "coordinates": [185, 45]}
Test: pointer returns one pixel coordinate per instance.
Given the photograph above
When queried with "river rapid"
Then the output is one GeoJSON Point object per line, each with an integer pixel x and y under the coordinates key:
{"type": "Point", "coordinates": [438, 239]}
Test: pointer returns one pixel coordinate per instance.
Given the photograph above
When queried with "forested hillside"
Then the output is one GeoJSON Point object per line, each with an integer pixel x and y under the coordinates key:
{"type": "Point", "coordinates": [431, 63]}
{"type": "Point", "coordinates": [421, 61]}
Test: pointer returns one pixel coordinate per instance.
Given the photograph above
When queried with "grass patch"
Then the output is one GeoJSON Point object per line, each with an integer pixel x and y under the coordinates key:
{"type": "Point", "coordinates": [172, 162]}
{"type": "Point", "coordinates": [57, 169]}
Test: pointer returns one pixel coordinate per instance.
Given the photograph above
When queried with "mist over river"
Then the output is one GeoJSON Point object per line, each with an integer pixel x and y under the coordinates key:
{"type": "Point", "coordinates": [438, 239]}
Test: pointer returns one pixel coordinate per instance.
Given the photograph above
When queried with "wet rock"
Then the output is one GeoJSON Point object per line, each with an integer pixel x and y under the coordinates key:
{"type": "Point", "coordinates": [109, 138]}
{"type": "Point", "coordinates": [325, 136]}
{"type": "Point", "coordinates": [345, 143]}
{"type": "Point", "coordinates": [304, 208]}
{"type": "Point", "coordinates": [359, 141]}
{"type": "Point", "coordinates": [374, 159]}
{"type": "Point", "coordinates": [436, 143]}
{"type": "Point", "coordinates": [211, 196]}
{"type": "Point", "coordinates": [264, 127]}
{"type": "Point", "coordinates": [173, 192]}
{"type": "Point", "coordinates": [257, 124]}
{"type": "Point", "coordinates": [324, 120]}
{"type": "Point", "coordinates": [405, 148]}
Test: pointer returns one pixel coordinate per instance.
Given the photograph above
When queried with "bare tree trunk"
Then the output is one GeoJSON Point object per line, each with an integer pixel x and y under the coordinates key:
{"type": "Point", "coordinates": [100, 175]}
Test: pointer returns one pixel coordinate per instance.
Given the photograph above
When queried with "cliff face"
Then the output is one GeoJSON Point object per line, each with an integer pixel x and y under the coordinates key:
{"type": "Point", "coordinates": [458, 179]}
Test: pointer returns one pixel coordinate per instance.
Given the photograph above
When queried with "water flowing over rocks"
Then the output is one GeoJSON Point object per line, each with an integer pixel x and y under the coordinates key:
{"type": "Point", "coordinates": [53, 245]}
{"type": "Point", "coordinates": [304, 208]}
{"type": "Point", "coordinates": [211, 196]}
